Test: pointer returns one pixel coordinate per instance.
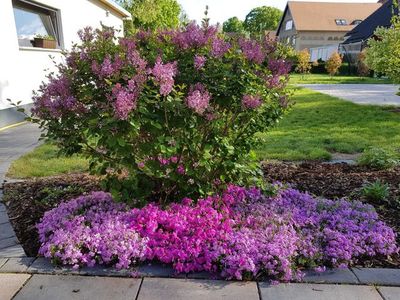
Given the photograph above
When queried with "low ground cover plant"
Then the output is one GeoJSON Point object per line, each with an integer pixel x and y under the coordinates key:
{"type": "Point", "coordinates": [239, 234]}
{"type": "Point", "coordinates": [166, 114]}
{"type": "Point", "coordinates": [378, 158]}
{"type": "Point", "coordinates": [376, 191]}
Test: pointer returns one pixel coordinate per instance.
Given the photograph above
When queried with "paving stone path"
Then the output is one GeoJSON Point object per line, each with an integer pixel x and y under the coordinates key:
{"type": "Point", "coordinates": [23, 277]}
{"type": "Point", "coordinates": [375, 94]}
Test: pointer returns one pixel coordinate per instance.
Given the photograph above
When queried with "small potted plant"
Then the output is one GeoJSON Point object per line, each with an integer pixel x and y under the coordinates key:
{"type": "Point", "coordinates": [45, 41]}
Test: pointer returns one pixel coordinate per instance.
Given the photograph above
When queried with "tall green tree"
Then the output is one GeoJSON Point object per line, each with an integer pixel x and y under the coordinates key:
{"type": "Point", "coordinates": [153, 14]}
{"type": "Point", "coordinates": [383, 52]}
{"type": "Point", "coordinates": [262, 18]}
{"type": "Point", "coordinates": [233, 25]}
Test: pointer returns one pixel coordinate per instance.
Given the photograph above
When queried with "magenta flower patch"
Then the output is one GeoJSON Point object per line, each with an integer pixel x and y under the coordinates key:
{"type": "Point", "coordinates": [239, 234]}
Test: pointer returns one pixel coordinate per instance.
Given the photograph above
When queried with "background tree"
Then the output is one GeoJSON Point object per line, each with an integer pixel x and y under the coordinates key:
{"type": "Point", "coordinates": [333, 63]}
{"type": "Point", "coordinates": [262, 18]}
{"type": "Point", "coordinates": [383, 52]}
{"type": "Point", "coordinates": [153, 14]}
{"type": "Point", "coordinates": [233, 25]}
{"type": "Point", "coordinates": [303, 61]}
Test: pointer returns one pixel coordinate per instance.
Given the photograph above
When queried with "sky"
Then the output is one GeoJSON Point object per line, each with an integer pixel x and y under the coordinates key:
{"type": "Point", "coordinates": [221, 10]}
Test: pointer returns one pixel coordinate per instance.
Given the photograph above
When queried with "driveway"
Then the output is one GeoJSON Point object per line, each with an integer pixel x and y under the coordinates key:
{"type": "Point", "coordinates": [15, 142]}
{"type": "Point", "coordinates": [375, 94]}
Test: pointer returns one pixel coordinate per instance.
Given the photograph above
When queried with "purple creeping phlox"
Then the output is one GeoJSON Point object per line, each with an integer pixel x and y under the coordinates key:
{"type": "Point", "coordinates": [240, 234]}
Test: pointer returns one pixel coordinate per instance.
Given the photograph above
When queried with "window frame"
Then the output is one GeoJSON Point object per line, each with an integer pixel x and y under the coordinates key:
{"type": "Point", "coordinates": [286, 25]}
{"type": "Point", "coordinates": [341, 22]}
{"type": "Point", "coordinates": [54, 13]}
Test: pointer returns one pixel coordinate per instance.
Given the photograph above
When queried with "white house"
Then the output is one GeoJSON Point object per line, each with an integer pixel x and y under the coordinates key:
{"type": "Point", "coordinates": [23, 65]}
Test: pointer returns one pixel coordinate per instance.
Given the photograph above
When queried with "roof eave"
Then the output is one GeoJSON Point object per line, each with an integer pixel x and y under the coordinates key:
{"type": "Point", "coordinates": [281, 21]}
{"type": "Point", "coordinates": [116, 8]}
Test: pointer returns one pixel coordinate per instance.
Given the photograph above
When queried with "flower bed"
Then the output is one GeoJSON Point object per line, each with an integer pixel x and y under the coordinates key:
{"type": "Point", "coordinates": [240, 234]}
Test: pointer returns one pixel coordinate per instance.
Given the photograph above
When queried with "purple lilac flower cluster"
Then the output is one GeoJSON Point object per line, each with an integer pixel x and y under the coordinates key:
{"type": "Point", "coordinates": [251, 102]}
{"type": "Point", "coordinates": [193, 36]}
{"type": "Point", "coordinates": [164, 75]}
{"type": "Point", "coordinates": [252, 50]}
{"type": "Point", "coordinates": [56, 98]}
{"type": "Point", "coordinates": [199, 61]}
{"type": "Point", "coordinates": [241, 233]}
{"type": "Point", "coordinates": [198, 98]}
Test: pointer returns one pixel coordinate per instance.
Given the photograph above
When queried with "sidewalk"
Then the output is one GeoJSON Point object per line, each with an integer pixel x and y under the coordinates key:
{"type": "Point", "coordinates": [23, 277]}
{"type": "Point", "coordinates": [372, 94]}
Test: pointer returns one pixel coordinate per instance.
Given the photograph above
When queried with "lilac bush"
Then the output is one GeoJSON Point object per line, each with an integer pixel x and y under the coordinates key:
{"type": "Point", "coordinates": [192, 93]}
{"type": "Point", "coordinates": [240, 234]}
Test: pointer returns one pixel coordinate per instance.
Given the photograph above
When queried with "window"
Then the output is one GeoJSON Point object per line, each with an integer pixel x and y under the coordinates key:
{"type": "Point", "coordinates": [32, 19]}
{"type": "Point", "coordinates": [289, 25]}
{"type": "Point", "coordinates": [356, 22]}
{"type": "Point", "coordinates": [341, 22]}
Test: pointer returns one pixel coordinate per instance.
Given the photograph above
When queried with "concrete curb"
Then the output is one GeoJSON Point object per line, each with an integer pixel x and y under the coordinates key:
{"type": "Point", "coordinates": [349, 276]}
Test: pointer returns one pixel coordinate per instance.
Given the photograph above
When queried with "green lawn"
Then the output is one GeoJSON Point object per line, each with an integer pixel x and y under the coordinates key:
{"type": "Point", "coordinates": [319, 125]}
{"type": "Point", "coordinates": [325, 78]}
{"type": "Point", "coordinates": [43, 161]}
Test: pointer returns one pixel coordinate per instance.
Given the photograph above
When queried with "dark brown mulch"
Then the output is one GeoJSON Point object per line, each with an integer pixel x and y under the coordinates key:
{"type": "Point", "coordinates": [27, 201]}
{"type": "Point", "coordinates": [343, 180]}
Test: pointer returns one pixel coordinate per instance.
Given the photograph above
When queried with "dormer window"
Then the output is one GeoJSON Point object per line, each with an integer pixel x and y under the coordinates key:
{"type": "Point", "coordinates": [356, 22]}
{"type": "Point", "coordinates": [341, 22]}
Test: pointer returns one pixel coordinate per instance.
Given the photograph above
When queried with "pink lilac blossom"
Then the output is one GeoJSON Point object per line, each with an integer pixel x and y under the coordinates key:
{"type": "Point", "coordinates": [198, 98]}
{"type": "Point", "coordinates": [199, 61]}
{"type": "Point", "coordinates": [55, 99]}
{"type": "Point", "coordinates": [252, 50]}
{"type": "Point", "coordinates": [279, 67]}
{"type": "Point", "coordinates": [241, 233]}
{"type": "Point", "coordinates": [219, 47]}
{"type": "Point", "coordinates": [125, 100]}
{"type": "Point", "coordinates": [108, 67]}
{"type": "Point", "coordinates": [251, 102]}
{"type": "Point", "coordinates": [193, 36]}
{"type": "Point", "coordinates": [164, 75]}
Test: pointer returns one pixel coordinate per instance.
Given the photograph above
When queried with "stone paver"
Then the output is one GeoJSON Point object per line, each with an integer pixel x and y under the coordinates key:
{"type": "Point", "coordinates": [165, 288]}
{"type": "Point", "coordinates": [61, 287]}
{"type": "Point", "coordinates": [300, 291]}
{"type": "Point", "coordinates": [103, 271]}
{"type": "Point", "coordinates": [331, 276]}
{"type": "Point", "coordinates": [10, 284]}
{"type": "Point", "coordinates": [3, 261]}
{"type": "Point", "coordinates": [157, 270]}
{"type": "Point", "coordinates": [43, 265]}
{"type": "Point", "coordinates": [15, 142]}
{"type": "Point", "coordinates": [12, 251]}
{"type": "Point", "coordinates": [378, 276]}
{"type": "Point", "coordinates": [3, 217]}
{"type": "Point", "coordinates": [8, 242]}
{"type": "Point", "coordinates": [17, 265]}
{"type": "Point", "coordinates": [376, 94]}
{"type": "Point", "coordinates": [389, 292]}
{"type": "Point", "coordinates": [6, 231]}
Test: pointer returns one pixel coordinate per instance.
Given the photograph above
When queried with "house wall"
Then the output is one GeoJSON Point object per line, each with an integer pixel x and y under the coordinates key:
{"type": "Point", "coordinates": [22, 69]}
{"type": "Point", "coordinates": [323, 53]}
{"type": "Point", "coordinates": [287, 36]}
{"type": "Point", "coordinates": [314, 39]}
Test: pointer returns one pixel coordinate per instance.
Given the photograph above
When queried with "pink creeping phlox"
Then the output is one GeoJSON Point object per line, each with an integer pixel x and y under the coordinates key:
{"type": "Point", "coordinates": [240, 234]}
